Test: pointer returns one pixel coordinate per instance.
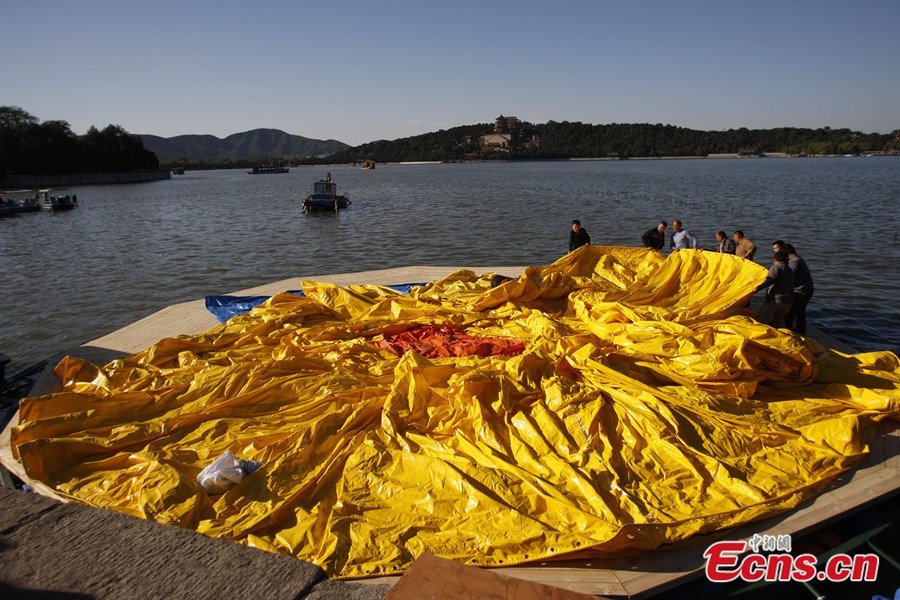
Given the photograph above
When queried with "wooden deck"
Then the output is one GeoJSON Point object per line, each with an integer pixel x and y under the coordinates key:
{"type": "Point", "coordinates": [639, 576]}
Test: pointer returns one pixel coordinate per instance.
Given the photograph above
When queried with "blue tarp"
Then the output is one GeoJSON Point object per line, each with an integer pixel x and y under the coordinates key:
{"type": "Point", "coordinates": [225, 307]}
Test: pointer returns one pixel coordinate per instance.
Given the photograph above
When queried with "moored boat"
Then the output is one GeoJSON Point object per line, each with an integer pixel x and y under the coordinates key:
{"type": "Point", "coordinates": [323, 196]}
{"type": "Point", "coordinates": [19, 201]}
{"type": "Point", "coordinates": [268, 169]}
{"type": "Point", "coordinates": [57, 199]}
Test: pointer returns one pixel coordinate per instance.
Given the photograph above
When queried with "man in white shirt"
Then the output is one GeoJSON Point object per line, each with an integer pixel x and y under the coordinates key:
{"type": "Point", "coordinates": [682, 238]}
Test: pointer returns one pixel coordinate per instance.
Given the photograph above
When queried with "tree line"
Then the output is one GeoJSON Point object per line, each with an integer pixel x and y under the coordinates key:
{"type": "Point", "coordinates": [30, 147]}
{"type": "Point", "coordinates": [201, 164]}
{"type": "Point", "coordinates": [563, 140]}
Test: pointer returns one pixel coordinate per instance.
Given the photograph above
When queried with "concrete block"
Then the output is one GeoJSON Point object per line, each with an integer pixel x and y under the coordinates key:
{"type": "Point", "coordinates": [73, 551]}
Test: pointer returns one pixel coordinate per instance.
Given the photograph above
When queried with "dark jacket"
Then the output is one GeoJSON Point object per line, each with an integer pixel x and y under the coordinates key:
{"type": "Point", "coordinates": [727, 246]}
{"type": "Point", "coordinates": [803, 283]}
{"type": "Point", "coordinates": [779, 284]}
{"type": "Point", "coordinates": [577, 240]}
{"type": "Point", "coordinates": [652, 238]}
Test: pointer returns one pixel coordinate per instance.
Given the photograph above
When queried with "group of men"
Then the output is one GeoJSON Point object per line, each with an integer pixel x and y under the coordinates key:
{"type": "Point", "coordinates": [682, 239]}
{"type": "Point", "coordinates": [788, 284]}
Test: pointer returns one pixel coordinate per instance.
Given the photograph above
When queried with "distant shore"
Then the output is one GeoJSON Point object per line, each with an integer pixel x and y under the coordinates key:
{"type": "Point", "coordinates": [612, 158]}
{"type": "Point", "coordinates": [741, 156]}
{"type": "Point", "coordinates": [43, 181]}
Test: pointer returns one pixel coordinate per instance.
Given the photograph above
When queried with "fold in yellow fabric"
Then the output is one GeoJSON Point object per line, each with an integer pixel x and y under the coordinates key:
{"type": "Point", "coordinates": [643, 405]}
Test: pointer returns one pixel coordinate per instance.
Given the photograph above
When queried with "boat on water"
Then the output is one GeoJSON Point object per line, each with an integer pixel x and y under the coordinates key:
{"type": "Point", "coordinates": [368, 164]}
{"type": "Point", "coordinates": [268, 169]}
{"type": "Point", "coordinates": [56, 199]}
{"type": "Point", "coordinates": [19, 201]}
{"type": "Point", "coordinates": [323, 196]}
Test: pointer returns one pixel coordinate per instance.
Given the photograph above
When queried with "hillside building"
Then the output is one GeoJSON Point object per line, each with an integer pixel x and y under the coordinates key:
{"type": "Point", "coordinates": [504, 136]}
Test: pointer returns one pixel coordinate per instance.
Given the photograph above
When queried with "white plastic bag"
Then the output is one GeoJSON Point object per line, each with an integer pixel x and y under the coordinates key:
{"type": "Point", "coordinates": [225, 472]}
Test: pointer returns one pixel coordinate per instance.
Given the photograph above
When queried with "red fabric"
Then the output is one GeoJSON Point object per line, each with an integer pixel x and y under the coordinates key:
{"type": "Point", "coordinates": [442, 342]}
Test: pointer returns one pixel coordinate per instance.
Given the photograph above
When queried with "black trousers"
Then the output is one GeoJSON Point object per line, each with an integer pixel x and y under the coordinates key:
{"type": "Point", "coordinates": [796, 317]}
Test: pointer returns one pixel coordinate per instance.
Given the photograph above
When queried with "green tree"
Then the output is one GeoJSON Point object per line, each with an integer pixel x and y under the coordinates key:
{"type": "Point", "coordinates": [16, 130]}
{"type": "Point", "coordinates": [28, 146]}
{"type": "Point", "coordinates": [65, 157]}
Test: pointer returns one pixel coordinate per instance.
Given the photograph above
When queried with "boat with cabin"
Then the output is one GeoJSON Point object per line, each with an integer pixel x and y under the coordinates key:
{"type": "Point", "coordinates": [56, 199]}
{"type": "Point", "coordinates": [268, 169]}
{"type": "Point", "coordinates": [19, 201]}
{"type": "Point", "coordinates": [323, 196]}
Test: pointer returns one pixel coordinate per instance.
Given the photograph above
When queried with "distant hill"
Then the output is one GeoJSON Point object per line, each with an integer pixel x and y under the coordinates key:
{"type": "Point", "coordinates": [567, 140]}
{"type": "Point", "coordinates": [258, 143]}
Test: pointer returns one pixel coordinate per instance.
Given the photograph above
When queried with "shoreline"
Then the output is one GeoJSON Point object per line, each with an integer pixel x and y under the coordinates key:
{"type": "Point", "coordinates": [627, 158]}
{"type": "Point", "coordinates": [72, 179]}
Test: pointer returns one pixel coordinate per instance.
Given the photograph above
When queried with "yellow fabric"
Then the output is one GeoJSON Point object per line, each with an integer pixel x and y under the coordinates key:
{"type": "Point", "coordinates": [646, 408]}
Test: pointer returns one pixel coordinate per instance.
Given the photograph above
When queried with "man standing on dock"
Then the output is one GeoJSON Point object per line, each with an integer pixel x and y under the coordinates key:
{"type": "Point", "coordinates": [655, 238]}
{"type": "Point", "coordinates": [726, 246]}
{"type": "Point", "coordinates": [779, 286]}
{"type": "Point", "coordinates": [744, 248]}
{"type": "Point", "coordinates": [803, 291]}
{"type": "Point", "coordinates": [682, 238]}
{"type": "Point", "coordinates": [578, 237]}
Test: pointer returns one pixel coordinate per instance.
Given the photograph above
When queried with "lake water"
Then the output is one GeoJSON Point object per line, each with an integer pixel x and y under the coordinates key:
{"type": "Point", "coordinates": [130, 250]}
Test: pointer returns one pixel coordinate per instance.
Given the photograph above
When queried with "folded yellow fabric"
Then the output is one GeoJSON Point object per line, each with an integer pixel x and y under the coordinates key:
{"type": "Point", "coordinates": [645, 407]}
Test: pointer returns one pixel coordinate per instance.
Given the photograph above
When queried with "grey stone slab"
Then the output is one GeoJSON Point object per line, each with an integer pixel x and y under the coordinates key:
{"type": "Point", "coordinates": [15, 510]}
{"type": "Point", "coordinates": [340, 590]}
{"type": "Point", "coordinates": [74, 551]}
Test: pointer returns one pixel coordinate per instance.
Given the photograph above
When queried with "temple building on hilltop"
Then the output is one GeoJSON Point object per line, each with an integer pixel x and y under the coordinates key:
{"type": "Point", "coordinates": [507, 135]}
{"type": "Point", "coordinates": [503, 136]}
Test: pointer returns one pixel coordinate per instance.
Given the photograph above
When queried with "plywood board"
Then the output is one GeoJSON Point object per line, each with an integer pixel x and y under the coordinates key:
{"type": "Point", "coordinates": [441, 579]}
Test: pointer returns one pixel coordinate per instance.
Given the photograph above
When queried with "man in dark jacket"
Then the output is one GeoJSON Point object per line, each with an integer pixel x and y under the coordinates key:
{"type": "Point", "coordinates": [779, 286]}
{"type": "Point", "coordinates": [803, 291]}
{"type": "Point", "coordinates": [726, 244]}
{"type": "Point", "coordinates": [655, 238]}
{"type": "Point", "coordinates": [578, 237]}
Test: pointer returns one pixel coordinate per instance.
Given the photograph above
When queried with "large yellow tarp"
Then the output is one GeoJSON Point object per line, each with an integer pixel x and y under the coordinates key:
{"type": "Point", "coordinates": [646, 407]}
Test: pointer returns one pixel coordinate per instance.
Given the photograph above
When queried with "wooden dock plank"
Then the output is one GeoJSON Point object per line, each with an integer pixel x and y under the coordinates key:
{"type": "Point", "coordinates": [441, 579]}
{"type": "Point", "coordinates": [890, 446]}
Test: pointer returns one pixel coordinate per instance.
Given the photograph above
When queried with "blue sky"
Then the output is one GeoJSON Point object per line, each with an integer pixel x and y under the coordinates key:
{"type": "Point", "coordinates": [385, 69]}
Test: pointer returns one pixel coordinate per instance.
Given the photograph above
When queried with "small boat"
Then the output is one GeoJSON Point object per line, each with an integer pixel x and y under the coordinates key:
{"type": "Point", "coordinates": [267, 169]}
{"type": "Point", "coordinates": [19, 201]}
{"type": "Point", "coordinates": [177, 171]}
{"type": "Point", "coordinates": [323, 196]}
{"type": "Point", "coordinates": [368, 164]}
{"type": "Point", "coordinates": [57, 199]}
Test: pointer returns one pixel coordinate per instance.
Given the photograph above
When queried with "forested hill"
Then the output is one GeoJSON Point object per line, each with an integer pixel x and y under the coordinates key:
{"type": "Point", "coordinates": [555, 140]}
{"type": "Point", "coordinates": [258, 143]}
